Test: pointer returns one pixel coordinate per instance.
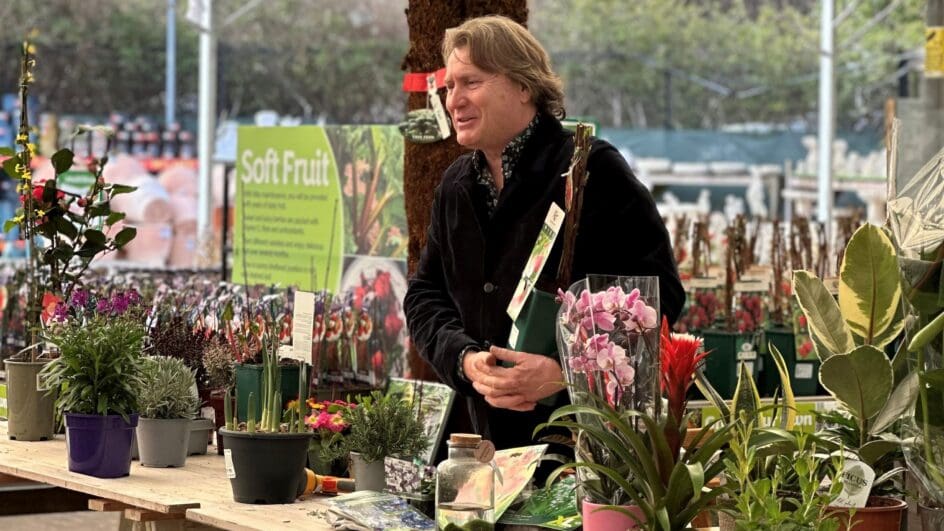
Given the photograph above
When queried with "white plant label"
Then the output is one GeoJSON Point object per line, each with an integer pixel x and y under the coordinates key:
{"type": "Point", "coordinates": [228, 460]}
{"type": "Point", "coordinates": [803, 371]}
{"type": "Point", "coordinates": [303, 319]}
{"type": "Point", "coordinates": [438, 110]}
{"type": "Point", "coordinates": [857, 478]}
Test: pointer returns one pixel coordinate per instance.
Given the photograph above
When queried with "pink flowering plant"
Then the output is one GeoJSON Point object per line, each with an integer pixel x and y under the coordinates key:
{"type": "Point", "coordinates": [329, 425]}
{"type": "Point", "coordinates": [609, 339]}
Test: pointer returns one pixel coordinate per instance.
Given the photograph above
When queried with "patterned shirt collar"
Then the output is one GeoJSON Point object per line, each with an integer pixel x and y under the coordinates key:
{"type": "Point", "coordinates": [510, 157]}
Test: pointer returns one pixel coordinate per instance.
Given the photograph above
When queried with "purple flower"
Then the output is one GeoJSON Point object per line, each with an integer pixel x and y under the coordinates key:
{"type": "Point", "coordinates": [80, 298]}
{"type": "Point", "coordinates": [61, 313]}
{"type": "Point", "coordinates": [102, 306]}
{"type": "Point", "coordinates": [119, 304]}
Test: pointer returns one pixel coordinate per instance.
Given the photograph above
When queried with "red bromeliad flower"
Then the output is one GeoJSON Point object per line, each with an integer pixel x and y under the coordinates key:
{"type": "Point", "coordinates": [680, 357]}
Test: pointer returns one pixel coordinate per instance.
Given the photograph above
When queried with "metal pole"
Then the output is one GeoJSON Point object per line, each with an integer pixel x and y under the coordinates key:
{"type": "Point", "coordinates": [667, 87]}
{"type": "Point", "coordinates": [827, 118]}
{"type": "Point", "coordinates": [170, 87]}
{"type": "Point", "coordinates": [206, 127]}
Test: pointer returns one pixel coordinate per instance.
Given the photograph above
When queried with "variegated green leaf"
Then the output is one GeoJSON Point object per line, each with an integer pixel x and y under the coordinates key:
{"type": "Point", "coordinates": [869, 287]}
{"type": "Point", "coordinates": [822, 315]}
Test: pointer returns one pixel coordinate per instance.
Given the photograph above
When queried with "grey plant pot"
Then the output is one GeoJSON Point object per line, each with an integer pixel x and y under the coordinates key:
{"type": "Point", "coordinates": [200, 430]}
{"type": "Point", "coordinates": [367, 476]}
{"type": "Point", "coordinates": [163, 442]}
{"type": "Point", "coordinates": [932, 518]}
{"type": "Point", "coordinates": [30, 411]}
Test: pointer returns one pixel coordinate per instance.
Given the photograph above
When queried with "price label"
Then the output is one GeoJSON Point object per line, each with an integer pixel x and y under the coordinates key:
{"type": "Point", "coordinates": [228, 460]}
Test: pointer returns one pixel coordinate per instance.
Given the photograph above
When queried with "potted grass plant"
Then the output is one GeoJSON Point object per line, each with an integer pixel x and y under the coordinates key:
{"type": "Point", "coordinates": [265, 458]}
{"type": "Point", "coordinates": [168, 402]}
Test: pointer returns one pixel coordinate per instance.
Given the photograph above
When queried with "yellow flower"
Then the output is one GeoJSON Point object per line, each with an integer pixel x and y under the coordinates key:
{"type": "Point", "coordinates": [31, 49]}
{"type": "Point", "coordinates": [292, 404]}
{"type": "Point", "coordinates": [40, 212]}
{"type": "Point", "coordinates": [18, 219]}
{"type": "Point", "coordinates": [32, 149]}
{"type": "Point", "coordinates": [22, 139]}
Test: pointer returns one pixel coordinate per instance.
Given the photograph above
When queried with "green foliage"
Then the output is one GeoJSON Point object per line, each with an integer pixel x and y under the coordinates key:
{"type": "Point", "coordinates": [869, 287]}
{"type": "Point", "coordinates": [822, 315]}
{"type": "Point", "coordinates": [759, 500]}
{"type": "Point", "coordinates": [98, 370]}
{"type": "Point", "coordinates": [731, 62]}
{"type": "Point", "coordinates": [849, 337]}
{"type": "Point", "coordinates": [881, 453]}
{"type": "Point", "coordinates": [861, 380]}
{"type": "Point", "coordinates": [169, 389]}
{"type": "Point", "coordinates": [381, 426]}
{"type": "Point", "coordinates": [625, 465]}
{"type": "Point", "coordinates": [763, 54]}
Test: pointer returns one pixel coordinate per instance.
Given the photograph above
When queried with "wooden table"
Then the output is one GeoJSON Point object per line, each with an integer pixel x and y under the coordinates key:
{"type": "Point", "coordinates": [199, 491]}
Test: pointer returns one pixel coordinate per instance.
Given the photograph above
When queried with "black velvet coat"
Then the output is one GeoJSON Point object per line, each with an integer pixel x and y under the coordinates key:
{"type": "Point", "coordinates": [471, 264]}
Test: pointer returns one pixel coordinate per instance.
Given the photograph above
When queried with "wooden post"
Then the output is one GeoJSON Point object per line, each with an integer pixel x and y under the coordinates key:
{"type": "Point", "coordinates": [424, 164]}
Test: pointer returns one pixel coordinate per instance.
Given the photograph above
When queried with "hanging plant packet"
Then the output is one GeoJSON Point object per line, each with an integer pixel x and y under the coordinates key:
{"type": "Point", "coordinates": [534, 312]}
{"type": "Point", "coordinates": [421, 127]}
{"type": "Point", "coordinates": [428, 125]}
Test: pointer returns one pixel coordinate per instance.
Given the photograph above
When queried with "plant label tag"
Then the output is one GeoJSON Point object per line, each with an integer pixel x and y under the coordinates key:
{"type": "Point", "coordinates": [41, 385]}
{"type": "Point", "coordinates": [513, 336]}
{"type": "Point", "coordinates": [438, 110]}
{"type": "Point", "coordinates": [747, 352]}
{"type": "Point", "coordinates": [303, 319]}
{"type": "Point", "coordinates": [485, 452]}
{"type": "Point", "coordinates": [228, 460]}
{"type": "Point", "coordinates": [857, 478]}
{"type": "Point", "coordinates": [803, 371]}
{"type": "Point", "coordinates": [537, 260]}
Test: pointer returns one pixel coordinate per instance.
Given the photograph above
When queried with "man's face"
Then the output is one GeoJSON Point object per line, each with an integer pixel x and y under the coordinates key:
{"type": "Point", "coordinates": [487, 109]}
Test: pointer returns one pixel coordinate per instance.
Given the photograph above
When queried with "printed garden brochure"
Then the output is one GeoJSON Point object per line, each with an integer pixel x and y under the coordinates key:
{"type": "Point", "coordinates": [375, 511]}
{"type": "Point", "coordinates": [554, 508]}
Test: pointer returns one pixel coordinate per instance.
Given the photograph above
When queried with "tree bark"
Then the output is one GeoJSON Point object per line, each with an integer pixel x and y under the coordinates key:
{"type": "Point", "coordinates": [423, 164]}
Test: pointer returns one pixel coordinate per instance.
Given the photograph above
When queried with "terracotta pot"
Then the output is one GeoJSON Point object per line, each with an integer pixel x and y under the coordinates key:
{"type": "Point", "coordinates": [880, 513]}
{"type": "Point", "coordinates": [596, 517]}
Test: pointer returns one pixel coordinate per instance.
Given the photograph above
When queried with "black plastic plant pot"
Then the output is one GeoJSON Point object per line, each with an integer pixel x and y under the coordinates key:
{"type": "Point", "coordinates": [265, 468]}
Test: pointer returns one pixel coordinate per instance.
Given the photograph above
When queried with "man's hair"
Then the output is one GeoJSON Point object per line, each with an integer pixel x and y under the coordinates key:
{"type": "Point", "coordinates": [500, 45]}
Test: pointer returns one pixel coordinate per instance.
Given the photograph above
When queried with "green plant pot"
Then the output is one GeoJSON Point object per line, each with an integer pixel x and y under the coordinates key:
{"type": "Point", "coordinates": [804, 373]}
{"type": "Point", "coordinates": [31, 412]}
{"type": "Point", "coordinates": [249, 380]}
{"type": "Point", "coordinates": [721, 365]}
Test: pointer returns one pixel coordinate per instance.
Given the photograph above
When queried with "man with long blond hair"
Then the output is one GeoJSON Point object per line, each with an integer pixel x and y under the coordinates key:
{"type": "Point", "coordinates": [506, 104]}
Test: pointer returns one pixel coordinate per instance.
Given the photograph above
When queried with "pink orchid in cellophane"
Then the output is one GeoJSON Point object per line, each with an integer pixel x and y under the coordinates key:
{"type": "Point", "coordinates": [608, 339]}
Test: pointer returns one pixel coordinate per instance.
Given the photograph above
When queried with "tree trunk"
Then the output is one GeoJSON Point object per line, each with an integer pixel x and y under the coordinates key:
{"type": "Point", "coordinates": [424, 164]}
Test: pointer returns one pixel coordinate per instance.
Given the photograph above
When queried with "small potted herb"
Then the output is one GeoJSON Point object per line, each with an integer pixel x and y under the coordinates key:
{"type": "Point", "coordinates": [380, 426]}
{"type": "Point", "coordinates": [168, 402]}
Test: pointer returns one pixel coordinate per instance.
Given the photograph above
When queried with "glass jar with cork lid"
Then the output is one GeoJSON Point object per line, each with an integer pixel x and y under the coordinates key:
{"type": "Point", "coordinates": [465, 485]}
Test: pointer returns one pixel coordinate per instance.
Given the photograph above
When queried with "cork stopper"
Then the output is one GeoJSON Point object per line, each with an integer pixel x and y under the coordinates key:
{"type": "Point", "coordinates": [465, 440]}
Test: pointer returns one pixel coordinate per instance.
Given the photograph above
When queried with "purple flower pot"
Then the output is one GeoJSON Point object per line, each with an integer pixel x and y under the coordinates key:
{"type": "Point", "coordinates": [100, 445]}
